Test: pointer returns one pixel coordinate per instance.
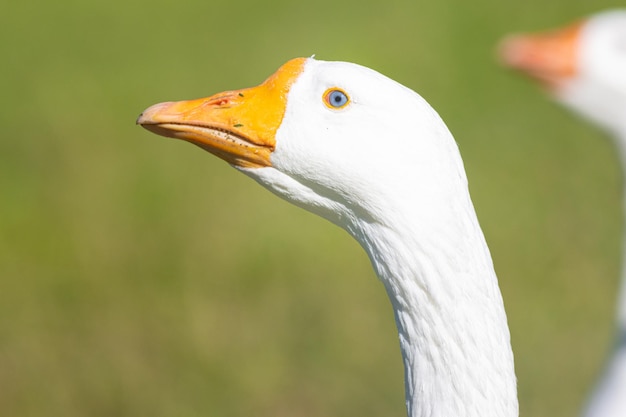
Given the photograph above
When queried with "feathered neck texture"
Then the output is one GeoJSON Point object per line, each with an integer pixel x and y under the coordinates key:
{"type": "Point", "coordinates": [449, 312]}
{"type": "Point", "coordinates": [387, 170]}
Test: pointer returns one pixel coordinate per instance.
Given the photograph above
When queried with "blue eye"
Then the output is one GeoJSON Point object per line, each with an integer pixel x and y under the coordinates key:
{"type": "Point", "coordinates": [336, 98]}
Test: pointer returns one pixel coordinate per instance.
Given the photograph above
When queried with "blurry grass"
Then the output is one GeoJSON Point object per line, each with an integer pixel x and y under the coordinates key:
{"type": "Point", "coordinates": [141, 276]}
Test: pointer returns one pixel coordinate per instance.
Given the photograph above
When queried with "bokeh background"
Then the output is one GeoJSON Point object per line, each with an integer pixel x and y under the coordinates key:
{"type": "Point", "coordinates": [140, 276]}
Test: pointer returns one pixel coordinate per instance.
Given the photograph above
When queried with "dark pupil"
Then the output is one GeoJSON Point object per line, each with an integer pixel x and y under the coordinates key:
{"type": "Point", "coordinates": [337, 98]}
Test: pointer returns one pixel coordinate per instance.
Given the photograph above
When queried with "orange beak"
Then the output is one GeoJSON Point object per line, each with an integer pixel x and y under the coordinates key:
{"type": "Point", "coordinates": [237, 126]}
{"type": "Point", "coordinates": [550, 57]}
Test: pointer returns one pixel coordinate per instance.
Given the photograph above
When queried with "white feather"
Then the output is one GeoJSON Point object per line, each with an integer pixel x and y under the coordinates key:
{"type": "Point", "coordinates": [386, 169]}
{"type": "Point", "coordinates": [598, 92]}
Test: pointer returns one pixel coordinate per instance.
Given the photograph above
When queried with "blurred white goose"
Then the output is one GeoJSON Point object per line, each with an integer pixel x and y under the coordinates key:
{"type": "Point", "coordinates": [584, 67]}
{"type": "Point", "coordinates": [371, 156]}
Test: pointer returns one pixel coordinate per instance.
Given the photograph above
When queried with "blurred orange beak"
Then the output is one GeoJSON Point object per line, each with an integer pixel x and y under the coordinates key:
{"type": "Point", "coordinates": [550, 57]}
{"type": "Point", "coordinates": [237, 126]}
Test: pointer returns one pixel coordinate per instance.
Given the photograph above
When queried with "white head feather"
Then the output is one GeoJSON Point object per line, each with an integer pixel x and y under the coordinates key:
{"type": "Point", "coordinates": [385, 168]}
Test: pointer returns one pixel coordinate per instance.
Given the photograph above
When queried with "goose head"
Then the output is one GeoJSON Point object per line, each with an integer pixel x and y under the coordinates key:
{"type": "Point", "coordinates": [353, 146]}
{"type": "Point", "coordinates": [582, 65]}
{"type": "Point", "coordinates": [335, 138]}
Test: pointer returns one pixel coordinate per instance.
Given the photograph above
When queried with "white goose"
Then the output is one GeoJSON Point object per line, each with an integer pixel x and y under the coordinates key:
{"type": "Point", "coordinates": [584, 67]}
{"type": "Point", "coordinates": [371, 156]}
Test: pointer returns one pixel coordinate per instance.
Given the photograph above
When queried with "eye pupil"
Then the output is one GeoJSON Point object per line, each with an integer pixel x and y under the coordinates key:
{"type": "Point", "coordinates": [337, 98]}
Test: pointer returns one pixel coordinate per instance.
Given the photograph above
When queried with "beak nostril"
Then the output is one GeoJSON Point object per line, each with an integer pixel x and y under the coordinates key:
{"type": "Point", "coordinates": [220, 101]}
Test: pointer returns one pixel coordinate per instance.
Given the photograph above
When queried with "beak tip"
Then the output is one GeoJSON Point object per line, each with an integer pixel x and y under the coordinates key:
{"type": "Point", "coordinates": [152, 113]}
{"type": "Point", "coordinates": [510, 49]}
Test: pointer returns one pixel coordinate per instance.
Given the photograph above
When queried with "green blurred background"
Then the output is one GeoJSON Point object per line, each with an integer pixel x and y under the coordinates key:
{"type": "Point", "coordinates": [140, 276]}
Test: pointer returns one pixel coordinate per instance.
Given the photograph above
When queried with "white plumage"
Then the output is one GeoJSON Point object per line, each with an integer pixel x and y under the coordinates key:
{"type": "Point", "coordinates": [584, 66]}
{"type": "Point", "coordinates": [383, 166]}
